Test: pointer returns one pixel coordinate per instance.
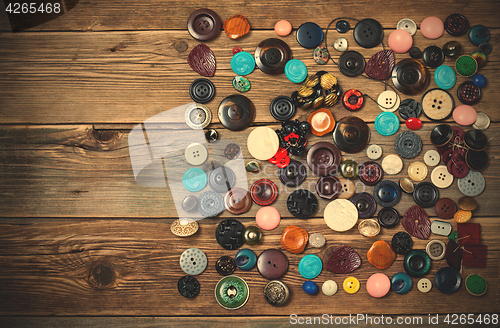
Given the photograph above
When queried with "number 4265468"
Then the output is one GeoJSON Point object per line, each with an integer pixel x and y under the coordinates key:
{"type": "Point", "coordinates": [33, 8]}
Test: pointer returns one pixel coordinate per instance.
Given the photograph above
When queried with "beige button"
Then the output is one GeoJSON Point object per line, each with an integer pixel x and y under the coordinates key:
{"type": "Point", "coordinates": [440, 177]}
{"type": "Point", "coordinates": [348, 188]}
{"type": "Point", "coordinates": [437, 104]}
{"type": "Point", "coordinates": [392, 164]}
{"type": "Point", "coordinates": [263, 143]}
{"type": "Point", "coordinates": [369, 228]}
{"type": "Point", "coordinates": [374, 152]}
{"type": "Point", "coordinates": [184, 227]}
{"type": "Point", "coordinates": [417, 171]}
{"type": "Point", "coordinates": [329, 288]}
{"type": "Point", "coordinates": [196, 154]}
{"type": "Point", "coordinates": [388, 99]}
{"type": "Point", "coordinates": [424, 285]}
{"type": "Point", "coordinates": [435, 249]}
{"type": "Point", "coordinates": [482, 121]}
{"type": "Point", "coordinates": [341, 215]}
{"type": "Point", "coordinates": [432, 158]}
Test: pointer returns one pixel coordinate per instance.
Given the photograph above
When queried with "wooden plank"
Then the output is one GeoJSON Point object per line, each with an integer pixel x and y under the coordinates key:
{"type": "Point", "coordinates": [75, 171]}
{"type": "Point", "coordinates": [127, 77]}
{"type": "Point", "coordinates": [123, 268]}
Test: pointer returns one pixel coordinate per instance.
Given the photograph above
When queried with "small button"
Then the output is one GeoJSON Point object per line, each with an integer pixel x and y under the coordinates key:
{"type": "Point", "coordinates": [378, 285]}
{"type": "Point", "coordinates": [229, 234]}
{"type": "Point", "coordinates": [293, 174]}
{"type": "Point", "coordinates": [245, 259]}
{"type": "Point", "coordinates": [413, 123]}
{"type": "Point", "coordinates": [225, 265]}
{"type": "Point", "coordinates": [342, 260]}
{"type": "Point", "coordinates": [317, 240]}
{"type": "Point", "coordinates": [189, 203]}
{"type": "Point", "coordinates": [433, 56]}
{"type": "Point", "coordinates": [381, 255]}
{"type": "Point", "coordinates": [408, 25]}
{"type": "Point", "coordinates": [282, 108]}
{"type": "Point", "coordinates": [188, 286]}
{"type": "Point", "coordinates": [479, 34]}
{"type": "Point", "coordinates": [392, 164]}
{"type": "Point", "coordinates": [462, 216]}
{"type": "Point", "coordinates": [328, 187]}
{"type": "Point", "coordinates": [476, 285]}
{"type": "Point", "coordinates": [276, 293]}
{"type": "Point", "coordinates": [342, 26]}
{"type": "Point", "coordinates": [340, 44]}
{"type": "Point", "coordinates": [445, 77]}
{"type": "Point", "coordinates": [252, 235]}
{"type": "Point", "coordinates": [424, 285]}
{"type": "Point", "coordinates": [340, 215]}
{"type": "Point", "coordinates": [272, 264]}
{"type": "Point", "coordinates": [302, 203]}
{"type": "Point", "coordinates": [370, 173]}
{"type": "Point", "coordinates": [432, 27]}
{"type": "Point", "coordinates": [194, 179]}
{"type": "Point", "coordinates": [416, 222]}
{"type": "Point", "coordinates": [347, 188]}
{"type": "Point", "coordinates": [283, 27]}
{"type": "Point", "coordinates": [387, 193]}
{"type": "Point", "coordinates": [431, 157]}
{"type": "Point", "coordinates": [210, 204]}
{"type": "Point", "coordinates": [329, 288]}
{"type": "Point", "coordinates": [310, 287]}
{"type": "Point", "coordinates": [351, 285]}
{"type": "Point", "coordinates": [211, 135]}
{"type": "Point", "coordinates": [236, 26]}
{"type": "Point", "coordinates": [352, 100]}
{"type": "Point", "coordinates": [415, 52]}
{"type": "Point", "coordinates": [349, 169]}
{"type": "Point", "coordinates": [294, 239]}
{"type": "Point", "coordinates": [321, 122]}
{"type": "Point", "coordinates": [374, 152]}
{"type": "Point", "coordinates": [236, 50]}
{"type": "Point", "coordinates": [198, 116]}
{"type": "Point", "coordinates": [264, 192]}
{"type": "Point", "coordinates": [193, 261]}
{"type": "Point", "coordinates": [388, 217]}
{"type": "Point", "coordinates": [472, 185]}
{"type": "Point", "coordinates": [309, 35]}
{"type": "Point", "coordinates": [406, 185]}
{"type": "Point", "coordinates": [351, 63]}
{"type": "Point", "coordinates": [456, 24]}
{"type": "Point", "coordinates": [368, 33]}
{"type": "Point", "coordinates": [351, 134]}
{"type": "Point", "coordinates": [408, 144]}
{"type": "Point", "coordinates": [409, 108]}
{"type": "Point", "coordinates": [323, 158]}
{"type": "Point", "coordinates": [310, 266]}
{"type": "Point", "coordinates": [271, 56]}
{"type": "Point", "coordinates": [435, 249]}
{"type": "Point", "coordinates": [202, 90]}
{"type": "Point", "coordinates": [401, 283]}
{"type": "Point", "coordinates": [365, 204]}
{"type": "Point", "coordinates": [369, 228]}
{"type": "Point", "coordinates": [295, 70]}
{"type": "Point", "coordinates": [410, 76]}
{"type": "Point", "coordinates": [263, 143]}
{"type": "Point", "coordinates": [228, 288]}
{"type": "Point", "coordinates": [467, 203]}
{"type": "Point", "coordinates": [468, 93]}
{"type": "Point", "coordinates": [417, 171]}
{"type": "Point", "coordinates": [482, 121]}
{"type": "Point", "coordinates": [466, 65]}
{"type": "Point", "coordinates": [387, 123]}
{"type": "Point", "coordinates": [440, 177]}
{"type": "Point", "coordinates": [196, 154]}
{"type": "Point", "coordinates": [441, 228]}
{"type": "Point", "coordinates": [445, 208]}
{"type": "Point", "coordinates": [241, 83]}
{"type": "Point", "coordinates": [448, 280]}
{"type": "Point", "coordinates": [236, 112]}
{"type": "Point", "coordinates": [242, 63]}
{"type": "Point", "coordinates": [417, 263]}
{"type": "Point", "coordinates": [187, 229]}
{"type": "Point", "coordinates": [201, 59]}
{"type": "Point", "coordinates": [425, 194]}
{"type": "Point", "coordinates": [204, 24]}
{"type": "Point", "coordinates": [437, 104]}
{"type": "Point", "coordinates": [267, 218]}
{"type": "Point", "coordinates": [400, 41]}
{"type": "Point", "coordinates": [402, 242]}
{"type": "Point", "coordinates": [452, 48]}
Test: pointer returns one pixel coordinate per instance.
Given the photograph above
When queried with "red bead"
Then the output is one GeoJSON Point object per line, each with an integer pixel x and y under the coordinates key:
{"type": "Point", "coordinates": [413, 123]}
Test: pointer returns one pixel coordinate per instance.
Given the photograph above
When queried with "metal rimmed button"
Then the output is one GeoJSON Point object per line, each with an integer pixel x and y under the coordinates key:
{"type": "Point", "coordinates": [295, 70]}
{"type": "Point", "coordinates": [340, 215]}
{"type": "Point", "coordinates": [351, 134]}
{"type": "Point", "coordinates": [466, 65]}
{"type": "Point", "coordinates": [401, 283]}
{"type": "Point", "coordinates": [445, 77]}
{"type": "Point", "coordinates": [204, 24]}
{"type": "Point", "coordinates": [193, 261]}
{"type": "Point", "coordinates": [276, 293]}
{"type": "Point", "coordinates": [408, 144]}
{"type": "Point", "coordinates": [445, 208]}
{"type": "Point", "coordinates": [472, 185]}
{"type": "Point", "coordinates": [409, 108]}
{"type": "Point", "coordinates": [440, 177]}
{"type": "Point", "coordinates": [387, 193]}
{"type": "Point", "coordinates": [482, 121]}
{"type": "Point", "coordinates": [194, 179]}
{"type": "Point", "coordinates": [388, 217]}
{"type": "Point", "coordinates": [225, 265]}
{"type": "Point", "coordinates": [236, 112]}
{"type": "Point", "coordinates": [388, 101]}
{"type": "Point", "coordinates": [468, 93]}
{"type": "Point", "coordinates": [402, 242]}
{"type": "Point", "coordinates": [408, 25]}
{"type": "Point", "coordinates": [198, 116]}
{"type": "Point", "coordinates": [188, 286]}
{"type": "Point", "coordinates": [456, 24]}
{"type": "Point", "coordinates": [237, 201]}
{"type": "Point", "coordinates": [441, 228]}
{"type": "Point", "coordinates": [180, 228]}
{"type": "Point", "coordinates": [370, 173]}
{"type": "Point", "coordinates": [351, 63]}
{"type": "Point", "coordinates": [431, 157]}
{"type": "Point", "coordinates": [310, 266]}
{"type": "Point", "coordinates": [417, 171]}
{"type": "Point", "coordinates": [374, 152]}
{"type": "Point", "coordinates": [351, 285]}
{"type": "Point", "coordinates": [302, 203]}
{"type": "Point", "coordinates": [232, 292]}
{"type": "Point", "coordinates": [328, 187]}
{"type": "Point", "coordinates": [272, 264]}
{"type": "Point", "coordinates": [441, 135]}
{"type": "Point", "coordinates": [392, 164]}
{"type": "Point", "coordinates": [323, 158]}
{"type": "Point", "coordinates": [369, 228]}
{"type": "Point", "coordinates": [410, 76]}
{"type": "Point", "coordinates": [425, 194]}
{"type": "Point", "coordinates": [196, 154]}
{"type": "Point", "coordinates": [347, 188]}
{"type": "Point", "coordinates": [202, 90]}
{"type": "Point", "coordinates": [435, 249]}
{"type": "Point", "coordinates": [221, 179]}
{"type": "Point", "coordinates": [417, 263]}
{"type": "Point", "coordinates": [264, 192]}
{"type": "Point", "coordinates": [245, 259]}
{"type": "Point", "coordinates": [263, 143]}
{"type": "Point", "coordinates": [368, 33]}
{"type": "Point", "coordinates": [342, 26]}
{"type": "Point", "coordinates": [340, 44]}
{"type": "Point", "coordinates": [476, 285]}
{"type": "Point", "coordinates": [448, 280]}
{"type": "Point", "coordinates": [479, 34]}
{"type": "Point", "coordinates": [271, 56]}
{"type": "Point", "coordinates": [437, 104]}
{"type": "Point", "coordinates": [309, 35]}
{"type": "Point", "coordinates": [424, 285]}
{"type": "Point", "coordinates": [365, 204]}
{"type": "Point", "coordinates": [229, 234]}
{"type": "Point", "coordinates": [387, 123]}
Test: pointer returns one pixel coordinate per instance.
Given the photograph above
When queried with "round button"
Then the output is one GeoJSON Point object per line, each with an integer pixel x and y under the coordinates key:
{"type": "Point", "coordinates": [310, 266]}
{"type": "Point", "coordinates": [432, 27]}
{"type": "Point", "coordinates": [401, 283]}
{"type": "Point", "coordinates": [368, 33]}
{"type": "Point", "coordinates": [387, 193]}
{"type": "Point", "coordinates": [387, 123]}
{"type": "Point", "coordinates": [263, 143]}
{"type": "Point", "coordinates": [221, 179]}
{"type": "Point", "coordinates": [485, 48]}
{"type": "Point", "coordinates": [293, 174]}
{"type": "Point", "coordinates": [242, 63]}
{"type": "Point", "coordinates": [347, 188]}
{"type": "Point", "coordinates": [342, 26]}
{"type": "Point", "coordinates": [431, 157]}
{"type": "Point", "coordinates": [193, 261]}
{"type": "Point", "coordinates": [351, 134]}
{"type": "Point", "coordinates": [437, 104]}
{"type": "Point", "coordinates": [456, 24]}
{"type": "Point", "coordinates": [225, 265]}
{"type": "Point", "coordinates": [406, 185]}
{"type": "Point", "coordinates": [271, 56]}
{"type": "Point", "coordinates": [410, 76]}
{"type": "Point", "coordinates": [276, 293]}
{"type": "Point", "coordinates": [295, 70]}
{"type": "Point", "coordinates": [252, 235]}
{"type": "Point", "coordinates": [317, 240]}
{"type": "Point", "coordinates": [352, 99]}
{"type": "Point", "coordinates": [241, 83]}
{"type": "Point", "coordinates": [194, 179]}
{"type": "Point", "coordinates": [351, 285]}
{"type": "Point", "coordinates": [415, 52]}
{"type": "Point", "coordinates": [340, 215]}
{"type": "Point", "coordinates": [407, 25]}
{"type": "Point", "coordinates": [445, 77]}
{"type": "Point", "coordinates": [302, 203]}
{"type": "Point", "coordinates": [424, 285]}
{"type": "Point", "coordinates": [402, 243]}
{"type": "Point", "coordinates": [392, 164]}
{"type": "Point", "coordinates": [441, 135]}
{"type": "Point", "coordinates": [229, 234]}
{"type": "Point", "coordinates": [476, 285]}
{"type": "Point", "coordinates": [417, 171]}
{"type": "Point", "coordinates": [378, 285]}
{"type": "Point", "coordinates": [441, 178]}
{"type": "Point", "coordinates": [264, 192]}
{"type": "Point", "coordinates": [321, 122]}
{"type": "Point", "coordinates": [425, 194]}
{"type": "Point", "coordinates": [294, 239]}
{"type": "Point", "coordinates": [237, 201]}
{"type": "Point", "coordinates": [445, 208]}
{"type": "Point", "coordinates": [417, 263]}
{"type": "Point", "coordinates": [282, 108]}
{"type": "Point", "coordinates": [467, 203]}
{"type": "Point", "coordinates": [196, 154]}
{"type": "Point", "coordinates": [321, 55]}
{"type": "Point", "coordinates": [236, 112]}
{"type": "Point", "coordinates": [365, 204]}
{"type": "Point", "coordinates": [466, 65]}
{"type": "Point", "coordinates": [479, 34]}
{"type": "Point", "coordinates": [188, 286]}
{"type": "Point", "coordinates": [374, 152]}
{"type": "Point", "coordinates": [475, 140]}
{"type": "Point", "coordinates": [388, 217]}
{"type": "Point", "coordinates": [472, 185]}
{"type": "Point", "coordinates": [340, 44]}
{"type": "Point", "coordinates": [370, 173]}
{"type": "Point", "coordinates": [204, 24]}
{"type": "Point", "coordinates": [479, 80]}
{"type": "Point", "coordinates": [452, 48]}
{"type": "Point", "coordinates": [351, 63]}
{"type": "Point", "coordinates": [448, 280]}
{"type": "Point", "coordinates": [283, 27]}
{"type": "Point", "coordinates": [400, 41]}
{"type": "Point", "coordinates": [323, 158]}
{"type": "Point", "coordinates": [310, 287]}
{"type": "Point", "coordinates": [211, 135]}
{"type": "Point", "coordinates": [198, 116]}
{"type": "Point", "coordinates": [433, 56]}
{"type": "Point", "coordinates": [369, 228]}
{"type": "Point", "coordinates": [272, 264]}
{"type": "Point", "coordinates": [482, 121]}
{"type": "Point", "coordinates": [476, 160]}
{"type": "Point", "coordinates": [267, 218]}
{"type": "Point", "coordinates": [309, 35]}
{"type": "Point", "coordinates": [464, 115]}
{"type": "Point", "coordinates": [184, 229]}
{"type": "Point", "coordinates": [408, 144]}
{"type": "Point", "coordinates": [435, 249]}
{"type": "Point", "coordinates": [245, 259]}
{"type": "Point", "coordinates": [349, 169]}
{"type": "Point", "coordinates": [232, 292]}
{"type": "Point", "coordinates": [202, 90]}
{"type": "Point", "coordinates": [210, 204]}
{"type": "Point", "coordinates": [329, 288]}
{"type": "Point", "coordinates": [328, 187]}
{"type": "Point", "coordinates": [409, 108]}
{"type": "Point", "coordinates": [468, 93]}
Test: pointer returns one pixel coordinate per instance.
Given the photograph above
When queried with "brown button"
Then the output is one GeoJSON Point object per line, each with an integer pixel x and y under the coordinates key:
{"type": "Point", "coordinates": [328, 187]}
{"type": "Point", "coordinates": [236, 112]}
{"type": "Point", "coordinates": [351, 134]}
{"type": "Point", "coordinates": [264, 192]}
{"type": "Point", "coordinates": [271, 56]}
{"type": "Point", "coordinates": [370, 173]}
{"type": "Point", "coordinates": [294, 239]}
{"type": "Point", "coordinates": [321, 122]}
{"type": "Point", "coordinates": [237, 201]}
{"type": "Point", "coordinates": [323, 158]}
{"type": "Point", "coordinates": [272, 264]}
{"type": "Point", "coordinates": [348, 188]}
{"type": "Point", "coordinates": [204, 24]}
{"type": "Point", "coordinates": [445, 208]}
{"type": "Point", "coordinates": [202, 60]}
{"type": "Point", "coordinates": [467, 203]}
{"type": "Point", "coordinates": [236, 26]}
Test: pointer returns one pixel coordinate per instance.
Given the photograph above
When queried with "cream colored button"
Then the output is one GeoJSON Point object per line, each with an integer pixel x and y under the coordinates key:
{"type": "Point", "coordinates": [417, 171]}
{"type": "Point", "coordinates": [329, 288]}
{"type": "Point", "coordinates": [196, 154]}
{"type": "Point", "coordinates": [374, 152]}
{"type": "Point", "coordinates": [263, 143]}
{"type": "Point", "coordinates": [435, 249]}
{"type": "Point", "coordinates": [392, 164]}
{"type": "Point", "coordinates": [432, 158]}
{"type": "Point", "coordinates": [388, 101]}
{"type": "Point", "coordinates": [440, 177]}
{"type": "Point", "coordinates": [341, 215]}
{"type": "Point", "coordinates": [424, 285]}
{"type": "Point", "coordinates": [348, 188]}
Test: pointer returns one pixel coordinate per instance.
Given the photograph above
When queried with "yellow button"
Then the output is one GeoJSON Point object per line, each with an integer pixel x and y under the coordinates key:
{"type": "Point", "coordinates": [351, 285]}
{"type": "Point", "coordinates": [417, 171]}
{"type": "Point", "coordinates": [462, 216]}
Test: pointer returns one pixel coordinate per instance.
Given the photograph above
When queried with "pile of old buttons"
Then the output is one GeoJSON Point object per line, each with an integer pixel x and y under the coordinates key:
{"type": "Point", "coordinates": [302, 203]}
{"type": "Point", "coordinates": [410, 76]}
{"type": "Point", "coordinates": [351, 63]}
{"type": "Point", "coordinates": [381, 255]}
{"type": "Point", "coordinates": [409, 108]}
{"type": "Point", "coordinates": [378, 285]}
{"type": "Point", "coordinates": [387, 193]}
{"type": "Point", "coordinates": [310, 266]}
{"type": "Point", "coordinates": [408, 144]}
{"type": "Point", "coordinates": [437, 104]}
{"type": "Point", "coordinates": [202, 90]}
{"type": "Point", "coordinates": [292, 136]}
{"type": "Point", "coordinates": [229, 234]}
{"type": "Point", "coordinates": [402, 243]}
{"type": "Point", "coordinates": [263, 143]}
{"type": "Point", "coordinates": [321, 122]}
{"type": "Point", "coordinates": [456, 24]}
{"type": "Point", "coordinates": [328, 187]}
{"type": "Point", "coordinates": [295, 71]}
{"type": "Point", "coordinates": [237, 201]}
{"type": "Point", "coordinates": [310, 287]}
{"type": "Point", "coordinates": [392, 164]}
{"type": "Point", "coordinates": [435, 249]}
{"type": "Point", "coordinates": [340, 215]}
{"type": "Point", "coordinates": [416, 221]}
{"type": "Point", "coordinates": [232, 292]}
{"type": "Point", "coordinates": [352, 99]}
{"type": "Point", "coordinates": [242, 63]}
{"type": "Point", "coordinates": [236, 112]}
{"type": "Point", "coordinates": [309, 35]}
{"type": "Point", "coordinates": [472, 185]}
{"type": "Point", "coordinates": [245, 259]}
{"type": "Point", "coordinates": [351, 285]}
{"type": "Point", "coordinates": [388, 217]}
{"type": "Point", "coordinates": [201, 59]}
{"type": "Point", "coordinates": [329, 288]}
{"type": "Point", "coordinates": [452, 48]}
{"type": "Point", "coordinates": [417, 263]}
{"type": "Point", "coordinates": [188, 286]}
{"type": "Point", "coordinates": [264, 192]}
{"type": "Point", "coordinates": [387, 123]}
{"type": "Point", "coordinates": [267, 218]}
{"type": "Point", "coordinates": [369, 228]}
{"type": "Point", "coordinates": [272, 264]}
{"type": "Point", "coordinates": [225, 265]}
{"type": "Point", "coordinates": [432, 27]}
{"type": "Point", "coordinates": [323, 158]}
{"type": "Point", "coordinates": [425, 194]}
{"type": "Point", "coordinates": [445, 77]}
{"type": "Point", "coordinates": [445, 208]}
{"type": "Point", "coordinates": [321, 55]}
{"type": "Point", "coordinates": [293, 174]}
{"type": "Point", "coordinates": [282, 108]}
{"type": "Point", "coordinates": [276, 293]}
{"type": "Point", "coordinates": [365, 204]}
{"type": "Point", "coordinates": [236, 26]}
{"type": "Point", "coordinates": [193, 261]}
{"type": "Point", "coordinates": [468, 93]}
{"type": "Point", "coordinates": [241, 83]}
{"type": "Point", "coordinates": [370, 173]}
{"type": "Point", "coordinates": [368, 33]}
{"type": "Point", "coordinates": [448, 280]}
{"type": "Point", "coordinates": [210, 204]}
{"type": "Point", "coordinates": [204, 24]}
{"type": "Point", "coordinates": [476, 285]}
{"type": "Point", "coordinates": [198, 116]}
{"type": "Point", "coordinates": [318, 90]}
{"type": "Point", "coordinates": [380, 65]}
{"type": "Point", "coordinates": [342, 260]}
{"type": "Point", "coordinates": [184, 230]}
{"type": "Point", "coordinates": [401, 283]}
{"type": "Point", "coordinates": [271, 56]}
{"type": "Point", "coordinates": [433, 56]}
{"type": "Point", "coordinates": [294, 239]}
{"type": "Point", "coordinates": [351, 134]}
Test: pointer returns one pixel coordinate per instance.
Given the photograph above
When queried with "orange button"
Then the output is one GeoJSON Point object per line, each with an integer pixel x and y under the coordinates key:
{"type": "Point", "coordinates": [294, 239]}
{"type": "Point", "coordinates": [462, 216]}
{"type": "Point", "coordinates": [381, 255]}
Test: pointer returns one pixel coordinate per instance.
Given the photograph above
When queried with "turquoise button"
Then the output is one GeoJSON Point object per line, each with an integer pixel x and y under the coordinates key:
{"type": "Point", "coordinates": [479, 34]}
{"type": "Point", "coordinates": [387, 123]}
{"type": "Point", "coordinates": [245, 259]}
{"type": "Point", "coordinates": [401, 283]}
{"type": "Point", "coordinates": [295, 70]}
{"type": "Point", "coordinates": [243, 63]}
{"type": "Point", "coordinates": [310, 266]}
{"type": "Point", "coordinates": [445, 77]}
{"type": "Point", "coordinates": [194, 179]}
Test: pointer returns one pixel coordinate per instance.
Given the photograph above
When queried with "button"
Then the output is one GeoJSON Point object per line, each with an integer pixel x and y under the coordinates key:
{"type": "Point", "coordinates": [351, 134]}
{"type": "Point", "coordinates": [221, 179]}
{"type": "Point", "coordinates": [198, 116]}
{"type": "Point", "coordinates": [370, 173]}
{"type": "Point", "coordinates": [321, 122]}
{"type": "Point", "coordinates": [342, 26]}
{"type": "Point", "coordinates": [475, 140]}
{"type": "Point", "coordinates": [453, 236]}
{"type": "Point", "coordinates": [295, 70]}
{"type": "Point", "coordinates": [329, 288]}
{"type": "Point", "coordinates": [317, 240]}
{"type": "Point", "coordinates": [465, 115]}
{"type": "Point", "coordinates": [201, 59]}
{"type": "Point", "coordinates": [342, 260]}
{"type": "Point", "coordinates": [271, 56]}
{"type": "Point", "coordinates": [452, 48]}
{"type": "Point", "coordinates": [458, 169]}
{"type": "Point", "coordinates": [232, 150]}
{"type": "Point", "coordinates": [321, 55]}
{"type": "Point", "coordinates": [432, 27]}
{"type": "Point", "coordinates": [232, 292]}
{"type": "Point", "coordinates": [365, 204]}
{"type": "Point", "coordinates": [340, 215]}
{"type": "Point", "coordinates": [276, 293]}
{"type": "Point", "coordinates": [462, 216]}
{"type": "Point", "coordinates": [435, 249]}
{"type": "Point", "coordinates": [401, 283]}
{"type": "Point", "coordinates": [392, 164]}
{"type": "Point", "coordinates": [480, 59]}
{"type": "Point", "coordinates": [445, 77]}
{"type": "Point", "coordinates": [236, 26]}
{"type": "Point", "coordinates": [352, 99]}
{"type": "Point", "coordinates": [302, 203]}
{"type": "Point", "coordinates": [388, 217]}
{"type": "Point", "coordinates": [264, 192]}
{"type": "Point", "coordinates": [272, 264]}
{"type": "Point", "coordinates": [236, 112]}
{"type": "Point", "coordinates": [441, 228]}
{"type": "Point", "coordinates": [310, 266]}
{"type": "Point", "coordinates": [447, 280]}
{"type": "Point", "coordinates": [408, 144]}
{"type": "Point", "coordinates": [467, 203]}
{"type": "Point", "coordinates": [211, 135]}
{"type": "Point", "coordinates": [445, 208]}
{"type": "Point", "coordinates": [476, 160]}
{"type": "Point", "coordinates": [416, 222]}
{"type": "Point", "coordinates": [349, 169]}
{"type": "Point", "coordinates": [245, 259]}
{"type": "Point", "coordinates": [328, 187]}
{"type": "Point", "coordinates": [400, 41]}
{"type": "Point", "coordinates": [413, 123]}
{"type": "Point", "coordinates": [402, 242]}
{"type": "Point", "coordinates": [369, 228]}
{"type": "Point", "coordinates": [408, 25]}
{"type": "Point", "coordinates": [194, 179]}
{"type": "Point", "coordinates": [204, 24]}
{"type": "Point", "coordinates": [283, 27]}
{"type": "Point", "coordinates": [466, 65]}
{"type": "Point", "coordinates": [486, 49]}
{"type": "Point", "coordinates": [225, 265]}
{"type": "Point", "coordinates": [410, 76]}
{"type": "Point", "coordinates": [417, 171]}
{"type": "Point", "coordinates": [441, 178]}
{"type": "Point", "coordinates": [267, 218]}
{"type": "Point", "coordinates": [193, 261]}
{"type": "Point", "coordinates": [184, 230]}
{"type": "Point", "coordinates": [425, 194]}
{"type": "Point", "coordinates": [468, 93]}
{"type": "Point", "coordinates": [368, 33]}
{"type": "Point", "coordinates": [406, 185]}
{"type": "Point", "coordinates": [476, 285]}
{"type": "Point", "coordinates": [242, 63]}
{"type": "Point", "coordinates": [309, 35]}
{"type": "Point", "coordinates": [236, 50]}
{"type": "Point", "coordinates": [381, 255]}
{"type": "Point", "coordinates": [293, 174]}
{"type": "Point", "coordinates": [431, 157]}
{"type": "Point", "coordinates": [380, 65]}
{"type": "Point", "coordinates": [437, 104]}
{"type": "Point", "coordinates": [482, 121]}
{"type": "Point", "coordinates": [424, 285]}
{"type": "Point", "coordinates": [456, 24]}
{"type": "Point", "coordinates": [351, 285]}
{"type": "Point", "coordinates": [479, 34]}
{"type": "Point", "coordinates": [378, 285]}
{"type": "Point", "coordinates": [229, 234]}
{"type": "Point", "coordinates": [374, 152]}
{"type": "Point", "coordinates": [351, 63]}
{"type": "Point", "coordinates": [347, 188]}
{"type": "Point", "coordinates": [241, 83]}
{"type": "Point", "coordinates": [387, 123]}
{"type": "Point", "coordinates": [282, 108]}
{"type": "Point", "coordinates": [310, 287]}
{"type": "Point", "coordinates": [202, 90]}
{"type": "Point", "coordinates": [417, 263]}
{"type": "Point", "coordinates": [433, 56]}
{"type": "Point", "coordinates": [210, 204]}
{"type": "Point", "coordinates": [415, 52]}
{"type": "Point", "coordinates": [188, 286]}
{"type": "Point", "coordinates": [294, 239]}
{"type": "Point", "coordinates": [387, 193]}
{"type": "Point", "coordinates": [252, 235]}
{"type": "Point", "coordinates": [340, 44]}
{"type": "Point", "coordinates": [263, 143]}
{"type": "Point", "coordinates": [409, 108]}
{"type": "Point", "coordinates": [479, 80]}
{"type": "Point", "coordinates": [441, 134]}
{"type": "Point", "coordinates": [196, 154]}
{"type": "Point", "coordinates": [472, 185]}
{"type": "Point", "coordinates": [237, 201]}
{"type": "Point", "coordinates": [189, 203]}
{"type": "Point", "coordinates": [323, 158]}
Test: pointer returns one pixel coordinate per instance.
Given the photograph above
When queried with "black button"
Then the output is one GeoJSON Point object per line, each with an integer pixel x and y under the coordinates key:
{"type": "Point", "coordinates": [452, 48]}
{"type": "Point", "coordinates": [417, 263]}
{"type": "Point", "coordinates": [468, 93]}
{"type": "Point", "coordinates": [387, 193]}
{"type": "Point", "coordinates": [271, 56]}
{"type": "Point", "coordinates": [282, 108]}
{"type": "Point", "coordinates": [425, 194]}
{"type": "Point", "coordinates": [365, 204]}
{"type": "Point", "coordinates": [342, 26]}
{"type": "Point", "coordinates": [475, 140]}
{"type": "Point", "coordinates": [448, 280]}
{"type": "Point", "coordinates": [441, 134]}
{"type": "Point", "coordinates": [204, 24]}
{"type": "Point", "coordinates": [410, 76]}
{"type": "Point", "coordinates": [351, 63]}
{"type": "Point", "coordinates": [188, 286]}
{"type": "Point", "coordinates": [309, 35]}
{"type": "Point", "coordinates": [328, 187]}
{"type": "Point", "coordinates": [229, 234]}
{"type": "Point", "coordinates": [202, 90]}
{"type": "Point", "coordinates": [402, 243]}
{"type": "Point", "coordinates": [388, 217]}
{"type": "Point", "coordinates": [351, 134]}
{"type": "Point", "coordinates": [476, 160]}
{"type": "Point", "coordinates": [221, 179]}
{"type": "Point", "coordinates": [302, 203]}
{"type": "Point", "coordinates": [293, 174]}
{"type": "Point", "coordinates": [409, 108]}
{"type": "Point", "coordinates": [485, 48]}
{"type": "Point", "coordinates": [368, 33]}
{"type": "Point", "coordinates": [415, 52]}
{"type": "Point", "coordinates": [211, 135]}
{"type": "Point", "coordinates": [456, 24]}
{"type": "Point", "coordinates": [236, 112]}
{"type": "Point", "coordinates": [225, 265]}
{"type": "Point", "coordinates": [433, 56]}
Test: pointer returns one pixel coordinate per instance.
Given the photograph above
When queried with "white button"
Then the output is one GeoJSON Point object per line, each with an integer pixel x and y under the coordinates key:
{"type": "Point", "coordinates": [329, 287]}
{"type": "Point", "coordinates": [417, 171]}
{"type": "Point", "coordinates": [193, 261]}
{"type": "Point", "coordinates": [435, 249]}
{"type": "Point", "coordinates": [432, 158]}
{"type": "Point", "coordinates": [408, 25]}
{"type": "Point", "coordinates": [263, 143]}
{"type": "Point", "coordinates": [341, 215]}
{"type": "Point", "coordinates": [440, 177]}
{"type": "Point", "coordinates": [196, 154]}
{"type": "Point", "coordinates": [374, 152]}
{"type": "Point", "coordinates": [340, 44]}
{"type": "Point", "coordinates": [441, 228]}
{"type": "Point", "coordinates": [388, 101]}
{"type": "Point", "coordinates": [392, 164]}
{"type": "Point", "coordinates": [424, 285]}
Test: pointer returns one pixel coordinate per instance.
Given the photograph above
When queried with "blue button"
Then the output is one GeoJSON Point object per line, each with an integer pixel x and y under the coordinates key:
{"type": "Point", "coordinates": [387, 123]}
{"type": "Point", "coordinates": [479, 34]}
{"type": "Point", "coordinates": [245, 259]}
{"type": "Point", "coordinates": [194, 179]}
{"type": "Point", "coordinates": [387, 193]}
{"type": "Point", "coordinates": [479, 80]}
{"type": "Point", "coordinates": [448, 280]}
{"type": "Point", "coordinates": [401, 283]}
{"type": "Point", "coordinates": [445, 77]}
{"type": "Point", "coordinates": [310, 287]}
{"type": "Point", "coordinates": [243, 63]}
{"type": "Point", "coordinates": [295, 70]}
{"type": "Point", "coordinates": [309, 35]}
{"type": "Point", "coordinates": [310, 266]}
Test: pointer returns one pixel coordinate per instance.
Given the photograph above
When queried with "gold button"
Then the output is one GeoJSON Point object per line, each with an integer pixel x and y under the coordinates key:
{"type": "Point", "coordinates": [417, 171]}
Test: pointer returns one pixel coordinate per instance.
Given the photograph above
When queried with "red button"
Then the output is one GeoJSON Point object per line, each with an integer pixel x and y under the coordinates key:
{"type": "Point", "coordinates": [413, 123]}
{"type": "Point", "coordinates": [352, 99]}
{"type": "Point", "coordinates": [459, 169]}
{"type": "Point", "coordinates": [264, 192]}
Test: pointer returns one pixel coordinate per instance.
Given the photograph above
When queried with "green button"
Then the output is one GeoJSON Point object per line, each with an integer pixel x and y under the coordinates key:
{"type": "Point", "coordinates": [231, 292]}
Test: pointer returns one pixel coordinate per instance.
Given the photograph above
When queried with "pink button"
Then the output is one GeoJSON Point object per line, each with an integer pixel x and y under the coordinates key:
{"type": "Point", "coordinates": [465, 115]}
{"type": "Point", "coordinates": [378, 285]}
{"type": "Point", "coordinates": [283, 27]}
{"type": "Point", "coordinates": [267, 218]}
{"type": "Point", "coordinates": [432, 27]}
{"type": "Point", "coordinates": [400, 41]}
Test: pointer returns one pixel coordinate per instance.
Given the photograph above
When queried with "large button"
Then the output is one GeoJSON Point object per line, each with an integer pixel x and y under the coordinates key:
{"type": "Point", "coordinates": [435, 249]}
{"type": "Point", "coordinates": [370, 173]}
{"type": "Point", "coordinates": [458, 169]}
{"type": "Point", "coordinates": [264, 192]}
{"type": "Point", "coordinates": [365, 204]}
{"type": "Point", "coordinates": [369, 228]}
{"type": "Point", "coordinates": [351, 134]}
{"type": "Point", "coordinates": [229, 234]}
{"type": "Point", "coordinates": [293, 174]}
{"type": "Point", "coordinates": [282, 108]}
{"type": "Point", "coordinates": [417, 263]}
{"type": "Point", "coordinates": [296, 70]}
{"type": "Point", "coordinates": [408, 25]}
{"type": "Point", "coordinates": [188, 286]}
{"type": "Point", "coordinates": [445, 77]}
{"type": "Point", "coordinates": [225, 265]}
{"type": "Point", "coordinates": [456, 24]}
{"type": "Point", "coordinates": [401, 283]}
{"type": "Point", "coordinates": [310, 266]}
{"type": "Point", "coordinates": [267, 218]}
{"type": "Point", "coordinates": [431, 157]}
{"type": "Point", "coordinates": [198, 116]}
{"type": "Point", "coordinates": [388, 217]}
{"type": "Point", "coordinates": [387, 193]}
{"type": "Point", "coordinates": [440, 177]}
{"type": "Point", "coordinates": [238, 201]}
{"type": "Point", "coordinates": [388, 101]}
{"type": "Point", "coordinates": [441, 135]}
{"type": "Point", "coordinates": [272, 264]}
{"type": "Point", "coordinates": [351, 285]}
{"type": "Point", "coordinates": [210, 204]}
{"type": "Point", "coordinates": [323, 158]}
{"type": "Point", "coordinates": [381, 255]}
{"type": "Point", "coordinates": [416, 222]}
{"type": "Point", "coordinates": [194, 179]}
{"type": "Point", "coordinates": [309, 35]}
{"type": "Point", "coordinates": [479, 34]}
{"type": "Point", "coordinates": [475, 140]}
{"type": "Point", "coordinates": [276, 293]}
{"type": "Point", "coordinates": [445, 208]}
{"type": "Point", "coordinates": [392, 164]}
{"type": "Point", "coordinates": [321, 122]}
{"type": "Point", "coordinates": [448, 280]}
{"type": "Point", "coordinates": [202, 90]}
{"type": "Point", "coordinates": [378, 285]}
{"type": "Point", "coordinates": [466, 65]}
{"type": "Point", "coordinates": [402, 243]}
{"type": "Point", "coordinates": [263, 143]}
{"type": "Point", "coordinates": [236, 26]}
{"type": "Point", "coordinates": [368, 33]}
{"type": "Point", "coordinates": [193, 261]}
{"type": "Point", "coordinates": [351, 63]}
{"type": "Point", "coordinates": [410, 76]}
{"type": "Point", "coordinates": [201, 59]}
{"type": "Point", "coordinates": [221, 179]}
{"type": "Point", "coordinates": [374, 152]}
{"type": "Point", "coordinates": [204, 24]}
{"type": "Point", "coordinates": [245, 259]}
{"type": "Point", "coordinates": [472, 185]}
{"type": "Point", "coordinates": [424, 285]}
{"type": "Point", "coordinates": [271, 56]}
{"type": "Point", "coordinates": [433, 56]}
{"type": "Point", "coordinates": [242, 63]}
{"type": "Point", "coordinates": [409, 108]}
{"type": "Point", "coordinates": [294, 239]}
{"type": "Point", "coordinates": [425, 194]}
{"type": "Point", "coordinates": [476, 160]}
{"type": "Point", "coordinates": [464, 115]}
{"type": "Point", "coordinates": [232, 292]}
{"type": "Point", "coordinates": [329, 288]}
{"type": "Point", "coordinates": [196, 154]}
{"type": "Point", "coordinates": [432, 27]}
{"type": "Point", "coordinates": [236, 112]}
{"type": "Point", "coordinates": [408, 144]}
{"type": "Point", "coordinates": [417, 171]}
{"type": "Point", "coordinates": [328, 187]}
{"type": "Point", "coordinates": [387, 123]}
{"type": "Point", "coordinates": [342, 260]}
{"type": "Point", "coordinates": [340, 215]}
{"type": "Point", "coordinates": [347, 188]}
{"type": "Point", "coordinates": [184, 229]}
{"type": "Point", "coordinates": [468, 93]}
{"type": "Point", "coordinates": [441, 228]}
{"type": "Point", "coordinates": [302, 203]}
